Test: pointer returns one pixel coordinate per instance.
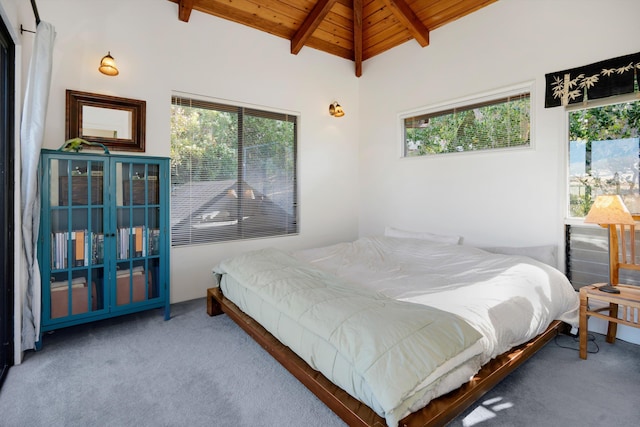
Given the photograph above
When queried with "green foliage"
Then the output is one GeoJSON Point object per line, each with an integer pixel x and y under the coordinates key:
{"type": "Point", "coordinates": [499, 125]}
{"type": "Point", "coordinates": [270, 143]}
{"type": "Point", "coordinates": [204, 144]}
{"type": "Point", "coordinates": [615, 121]}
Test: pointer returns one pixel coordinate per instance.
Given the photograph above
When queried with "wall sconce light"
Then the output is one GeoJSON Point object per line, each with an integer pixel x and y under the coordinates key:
{"type": "Point", "coordinates": [336, 110]}
{"type": "Point", "coordinates": [108, 65]}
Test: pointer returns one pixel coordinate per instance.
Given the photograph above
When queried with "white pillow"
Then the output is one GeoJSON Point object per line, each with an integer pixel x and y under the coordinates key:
{"type": "Point", "coordinates": [545, 254]}
{"type": "Point", "coordinates": [423, 235]}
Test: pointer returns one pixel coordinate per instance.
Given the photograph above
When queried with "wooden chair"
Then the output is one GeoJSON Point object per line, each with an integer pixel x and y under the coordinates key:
{"type": "Point", "coordinates": [624, 307]}
{"type": "Point", "coordinates": [622, 250]}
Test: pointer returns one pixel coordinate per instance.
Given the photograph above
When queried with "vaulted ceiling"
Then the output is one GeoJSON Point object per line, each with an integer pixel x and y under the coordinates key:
{"type": "Point", "coordinates": [353, 29]}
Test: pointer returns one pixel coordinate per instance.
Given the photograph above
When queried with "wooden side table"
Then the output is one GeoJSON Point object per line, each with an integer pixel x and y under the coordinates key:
{"type": "Point", "coordinates": [623, 308]}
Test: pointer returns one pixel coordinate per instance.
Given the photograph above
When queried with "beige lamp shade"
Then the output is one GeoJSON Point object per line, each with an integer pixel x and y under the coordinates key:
{"type": "Point", "coordinates": [609, 209]}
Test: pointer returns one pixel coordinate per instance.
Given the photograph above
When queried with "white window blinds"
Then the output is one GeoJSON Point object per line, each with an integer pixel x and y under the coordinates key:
{"type": "Point", "coordinates": [496, 121]}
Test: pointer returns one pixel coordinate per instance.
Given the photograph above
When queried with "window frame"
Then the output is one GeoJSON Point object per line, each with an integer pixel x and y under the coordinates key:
{"type": "Point", "coordinates": [470, 101]}
{"type": "Point", "coordinates": [592, 263]}
{"type": "Point", "coordinates": [246, 109]}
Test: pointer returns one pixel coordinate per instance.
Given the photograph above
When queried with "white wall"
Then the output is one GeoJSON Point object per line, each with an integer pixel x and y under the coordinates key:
{"type": "Point", "coordinates": [500, 198]}
{"type": "Point", "coordinates": [157, 54]}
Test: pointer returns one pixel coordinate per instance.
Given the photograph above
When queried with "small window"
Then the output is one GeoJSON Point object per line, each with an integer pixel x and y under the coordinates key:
{"type": "Point", "coordinates": [496, 121]}
{"type": "Point", "coordinates": [233, 172]}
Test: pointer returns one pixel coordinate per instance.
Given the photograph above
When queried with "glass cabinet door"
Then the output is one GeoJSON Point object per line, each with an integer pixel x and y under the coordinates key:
{"type": "Point", "coordinates": [137, 225]}
{"type": "Point", "coordinates": [75, 226]}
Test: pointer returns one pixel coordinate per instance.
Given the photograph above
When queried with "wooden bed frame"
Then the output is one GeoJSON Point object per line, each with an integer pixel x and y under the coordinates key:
{"type": "Point", "coordinates": [356, 414]}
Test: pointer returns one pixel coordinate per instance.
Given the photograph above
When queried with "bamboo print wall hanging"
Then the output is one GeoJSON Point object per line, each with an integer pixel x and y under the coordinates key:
{"type": "Point", "coordinates": [611, 77]}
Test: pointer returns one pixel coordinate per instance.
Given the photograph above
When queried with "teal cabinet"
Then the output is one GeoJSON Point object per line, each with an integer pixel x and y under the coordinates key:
{"type": "Point", "coordinates": [103, 245]}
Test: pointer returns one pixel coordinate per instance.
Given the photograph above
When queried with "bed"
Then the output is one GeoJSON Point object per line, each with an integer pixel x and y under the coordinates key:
{"type": "Point", "coordinates": [395, 331]}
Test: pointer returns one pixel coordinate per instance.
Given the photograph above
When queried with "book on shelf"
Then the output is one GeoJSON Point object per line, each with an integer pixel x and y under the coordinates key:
{"type": "Point", "coordinates": [78, 248]}
{"type": "Point", "coordinates": [138, 241]}
{"type": "Point", "coordinates": [75, 245]}
{"type": "Point", "coordinates": [97, 242]}
{"type": "Point", "coordinates": [59, 250]}
{"type": "Point", "coordinates": [154, 241]}
{"type": "Point", "coordinates": [123, 243]}
{"type": "Point", "coordinates": [134, 242]}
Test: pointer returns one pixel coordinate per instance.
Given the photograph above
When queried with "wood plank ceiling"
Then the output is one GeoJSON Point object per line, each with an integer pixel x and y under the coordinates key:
{"type": "Point", "coordinates": [353, 29]}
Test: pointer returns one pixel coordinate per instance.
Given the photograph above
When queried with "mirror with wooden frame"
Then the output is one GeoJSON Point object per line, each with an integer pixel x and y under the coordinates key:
{"type": "Point", "coordinates": [117, 123]}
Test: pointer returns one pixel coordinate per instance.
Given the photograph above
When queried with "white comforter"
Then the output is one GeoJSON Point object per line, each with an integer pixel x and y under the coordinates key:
{"type": "Point", "coordinates": [509, 299]}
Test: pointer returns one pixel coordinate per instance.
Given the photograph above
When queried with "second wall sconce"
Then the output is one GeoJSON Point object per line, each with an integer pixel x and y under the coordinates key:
{"type": "Point", "coordinates": [108, 65]}
{"type": "Point", "coordinates": [336, 110]}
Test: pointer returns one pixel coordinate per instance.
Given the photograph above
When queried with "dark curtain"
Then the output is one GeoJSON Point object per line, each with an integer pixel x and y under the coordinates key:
{"type": "Point", "coordinates": [7, 154]}
{"type": "Point", "coordinates": [602, 79]}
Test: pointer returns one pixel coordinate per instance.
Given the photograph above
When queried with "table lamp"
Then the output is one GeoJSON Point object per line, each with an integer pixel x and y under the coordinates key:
{"type": "Point", "coordinates": [609, 210]}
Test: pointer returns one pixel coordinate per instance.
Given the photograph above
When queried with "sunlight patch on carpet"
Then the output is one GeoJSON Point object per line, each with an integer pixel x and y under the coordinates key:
{"type": "Point", "coordinates": [486, 411]}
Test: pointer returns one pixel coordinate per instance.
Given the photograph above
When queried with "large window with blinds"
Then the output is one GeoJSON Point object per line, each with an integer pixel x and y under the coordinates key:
{"type": "Point", "coordinates": [491, 121]}
{"type": "Point", "coordinates": [604, 148]}
{"type": "Point", "coordinates": [233, 172]}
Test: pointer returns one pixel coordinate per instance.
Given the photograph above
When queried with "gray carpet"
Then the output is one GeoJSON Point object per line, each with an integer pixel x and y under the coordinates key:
{"type": "Point", "coordinates": [196, 370]}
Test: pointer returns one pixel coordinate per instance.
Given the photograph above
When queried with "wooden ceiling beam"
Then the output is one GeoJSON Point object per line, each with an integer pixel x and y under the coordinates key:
{"type": "Point", "coordinates": [408, 18]}
{"type": "Point", "coordinates": [330, 48]}
{"type": "Point", "coordinates": [184, 9]}
{"type": "Point", "coordinates": [310, 24]}
{"type": "Point", "coordinates": [357, 36]}
{"type": "Point", "coordinates": [226, 10]}
{"type": "Point", "coordinates": [356, 30]}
